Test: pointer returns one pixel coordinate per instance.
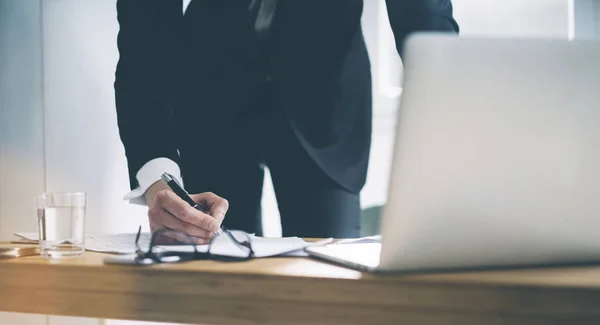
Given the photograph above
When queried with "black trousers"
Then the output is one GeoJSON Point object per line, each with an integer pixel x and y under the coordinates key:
{"type": "Point", "coordinates": [310, 203]}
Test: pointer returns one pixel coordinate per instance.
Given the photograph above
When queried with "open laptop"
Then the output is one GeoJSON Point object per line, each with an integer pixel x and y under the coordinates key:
{"type": "Point", "coordinates": [496, 160]}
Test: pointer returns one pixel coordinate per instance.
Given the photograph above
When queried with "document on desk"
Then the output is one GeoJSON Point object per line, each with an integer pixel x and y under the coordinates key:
{"type": "Point", "coordinates": [262, 246]}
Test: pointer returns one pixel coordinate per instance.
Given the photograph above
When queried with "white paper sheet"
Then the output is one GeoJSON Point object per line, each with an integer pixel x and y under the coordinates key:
{"type": "Point", "coordinates": [262, 246]}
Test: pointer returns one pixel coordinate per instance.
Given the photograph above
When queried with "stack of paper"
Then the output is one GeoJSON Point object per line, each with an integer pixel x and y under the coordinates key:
{"type": "Point", "coordinates": [125, 244]}
{"type": "Point", "coordinates": [261, 246]}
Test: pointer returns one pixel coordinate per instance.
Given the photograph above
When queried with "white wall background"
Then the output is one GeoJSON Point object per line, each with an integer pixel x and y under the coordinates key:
{"type": "Point", "coordinates": [83, 149]}
{"type": "Point", "coordinates": [21, 117]}
{"type": "Point", "coordinates": [58, 126]}
{"type": "Point", "coordinates": [21, 124]}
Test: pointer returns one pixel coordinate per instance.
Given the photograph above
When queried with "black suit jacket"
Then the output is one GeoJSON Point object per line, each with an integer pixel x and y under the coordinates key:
{"type": "Point", "coordinates": [181, 77]}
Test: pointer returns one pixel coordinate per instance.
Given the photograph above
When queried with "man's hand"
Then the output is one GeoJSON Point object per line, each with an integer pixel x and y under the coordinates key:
{"type": "Point", "coordinates": [167, 210]}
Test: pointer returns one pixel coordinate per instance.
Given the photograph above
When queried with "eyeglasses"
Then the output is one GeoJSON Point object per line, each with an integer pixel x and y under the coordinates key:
{"type": "Point", "coordinates": [219, 248]}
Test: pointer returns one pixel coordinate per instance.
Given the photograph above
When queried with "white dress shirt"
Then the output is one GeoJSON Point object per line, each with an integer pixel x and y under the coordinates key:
{"type": "Point", "coordinates": [149, 174]}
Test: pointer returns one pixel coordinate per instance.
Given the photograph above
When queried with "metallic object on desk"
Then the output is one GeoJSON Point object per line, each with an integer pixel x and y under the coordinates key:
{"type": "Point", "coordinates": [12, 252]}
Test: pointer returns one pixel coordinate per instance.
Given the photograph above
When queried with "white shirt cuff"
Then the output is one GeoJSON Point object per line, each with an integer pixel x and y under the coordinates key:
{"type": "Point", "coordinates": [149, 174]}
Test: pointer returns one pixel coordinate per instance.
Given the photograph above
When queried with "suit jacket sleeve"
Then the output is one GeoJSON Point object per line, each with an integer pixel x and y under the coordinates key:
{"type": "Point", "coordinates": [150, 45]}
{"type": "Point", "coordinates": [407, 16]}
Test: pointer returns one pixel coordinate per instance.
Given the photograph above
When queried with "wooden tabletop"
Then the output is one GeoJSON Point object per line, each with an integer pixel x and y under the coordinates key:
{"type": "Point", "coordinates": [295, 291]}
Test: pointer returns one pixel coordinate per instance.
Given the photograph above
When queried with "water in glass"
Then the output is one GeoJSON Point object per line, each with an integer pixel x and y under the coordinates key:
{"type": "Point", "coordinates": [61, 230]}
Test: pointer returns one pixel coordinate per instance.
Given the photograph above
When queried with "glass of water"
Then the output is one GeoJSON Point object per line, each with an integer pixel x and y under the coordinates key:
{"type": "Point", "coordinates": [61, 223]}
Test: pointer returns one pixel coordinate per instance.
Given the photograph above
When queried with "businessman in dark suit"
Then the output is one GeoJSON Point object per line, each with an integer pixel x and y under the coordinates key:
{"type": "Point", "coordinates": [215, 94]}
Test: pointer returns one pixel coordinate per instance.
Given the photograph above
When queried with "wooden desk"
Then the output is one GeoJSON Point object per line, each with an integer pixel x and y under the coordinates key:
{"type": "Point", "coordinates": [295, 291]}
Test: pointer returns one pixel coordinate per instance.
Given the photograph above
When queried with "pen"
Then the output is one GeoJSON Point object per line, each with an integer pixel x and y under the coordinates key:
{"type": "Point", "coordinates": [183, 194]}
